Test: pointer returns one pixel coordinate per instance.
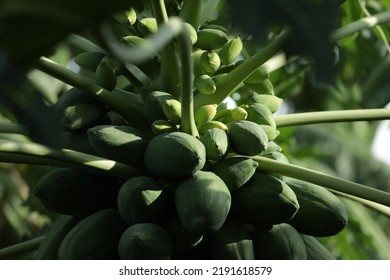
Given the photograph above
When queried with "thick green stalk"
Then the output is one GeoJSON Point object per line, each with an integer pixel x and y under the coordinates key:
{"type": "Point", "coordinates": [32, 153]}
{"type": "Point", "coordinates": [359, 25]}
{"type": "Point", "coordinates": [322, 179]}
{"type": "Point", "coordinates": [332, 116]}
{"type": "Point", "coordinates": [187, 96]}
{"type": "Point", "coordinates": [127, 105]}
{"type": "Point", "coordinates": [12, 252]}
{"type": "Point", "coordinates": [191, 12]}
{"type": "Point", "coordinates": [227, 84]}
{"type": "Point", "coordinates": [170, 64]}
{"type": "Point", "coordinates": [7, 127]}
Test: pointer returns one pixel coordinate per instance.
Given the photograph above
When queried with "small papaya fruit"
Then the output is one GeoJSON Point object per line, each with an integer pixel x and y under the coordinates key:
{"type": "Point", "coordinates": [89, 60]}
{"type": "Point", "coordinates": [142, 200]}
{"type": "Point", "coordinates": [235, 171]}
{"type": "Point", "coordinates": [174, 155]}
{"type": "Point", "coordinates": [247, 138]}
{"type": "Point", "coordinates": [216, 143]}
{"type": "Point", "coordinates": [315, 249]}
{"type": "Point", "coordinates": [264, 200]}
{"type": "Point", "coordinates": [121, 143]}
{"type": "Point", "coordinates": [230, 51]}
{"type": "Point", "coordinates": [96, 237]}
{"type": "Point", "coordinates": [202, 202]}
{"type": "Point", "coordinates": [209, 62]}
{"type": "Point", "coordinates": [280, 242]}
{"type": "Point", "coordinates": [211, 39]}
{"type": "Point", "coordinates": [271, 101]}
{"type": "Point", "coordinates": [153, 105]}
{"type": "Point", "coordinates": [145, 241]}
{"type": "Point", "coordinates": [260, 114]}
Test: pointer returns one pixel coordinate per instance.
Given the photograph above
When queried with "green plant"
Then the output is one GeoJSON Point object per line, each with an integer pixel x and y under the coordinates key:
{"type": "Point", "coordinates": [148, 107]}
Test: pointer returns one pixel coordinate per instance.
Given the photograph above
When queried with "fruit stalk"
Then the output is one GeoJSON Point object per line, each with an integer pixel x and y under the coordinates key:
{"type": "Point", "coordinates": [331, 116]}
{"type": "Point", "coordinates": [33, 153]}
{"type": "Point", "coordinates": [327, 181]}
{"type": "Point", "coordinates": [13, 251]}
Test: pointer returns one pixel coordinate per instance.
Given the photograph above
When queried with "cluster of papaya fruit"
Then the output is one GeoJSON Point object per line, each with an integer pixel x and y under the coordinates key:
{"type": "Point", "coordinates": [195, 197]}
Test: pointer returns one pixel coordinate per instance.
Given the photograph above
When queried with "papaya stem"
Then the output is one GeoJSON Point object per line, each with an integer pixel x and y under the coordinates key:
{"type": "Point", "coordinates": [359, 25]}
{"type": "Point", "coordinates": [13, 251]}
{"type": "Point", "coordinates": [322, 179]}
{"type": "Point", "coordinates": [32, 153]}
{"type": "Point", "coordinates": [331, 116]}
{"type": "Point", "coordinates": [227, 84]}
{"type": "Point", "coordinates": [187, 96]}
{"type": "Point", "coordinates": [170, 64]}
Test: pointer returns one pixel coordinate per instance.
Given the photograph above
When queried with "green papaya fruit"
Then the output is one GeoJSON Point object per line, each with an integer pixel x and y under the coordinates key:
{"type": "Point", "coordinates": [105, 75]}
{"type": "Point", "coordinates": [142, 200]}
{"type": "Point", "coordinates": [146, 241]}
{"type": "Point", "coordinates": [262, 87]}
{"type": "Point", "coordinates": [235, 171]}
{"type": "Point", "coordinates": [247, 138]}
{"type": "Point", "coordinates": [271, 101]}
{"type": "Point", "coordinates": [205, 114]}
{"type": "Point", "coordinates": [191, 32]}
{"type": "Point", "coordinates": [78, 110]}
{"type": "Point", "coordinates": [315, 250]}
{"type": "Point", "coordinates": [260, 114]}
{"type": "Point", "coordinates": [174, 155]}
{"type": "Point", "coordinates": [209, 62]}
{"type": "Point", "coordinates": [89, 60]}
{"type": "Point", "coordinates": [172, 110]}
{"type": "Point", "coordinates": [95, 237]}
{"type": "Point", "coordinates": [211, 39]}
{"type": "Point", "coordinates": [321, 212]}
{"type": "Point", "coordinates": [153, 105]}
{"type": "Point", "coordinates": [272, 147]}
{"type": "Point", "coordinates": [202, 202]}
{"type": "Point", "coordinates": [212, 124]}
{"type": "Point", "coordinates": [121, 143]}
{"type": "Point", "coordinates": [48, 249]}
{"type": "Point", "coordinates": [238, 114]}
{"type": "Point", "coordinates": [163, 126]}
{"type": "Point", "coordinates": [264, 200]}
{"type": "Point", "coordinates": [231, 242]}
{"type": "Point", "coordinates": [216, 143]}
{"type": "Point", "coordinates": [272, 132]}
{"type": "Point", "coordinates": [230, 51]}
{"type": "Point", "coordinates": [204, 84]}
{"type": "Point", "coordinates": [182, 238]}
{"type": "Point", "coordinates": [71, 191]}
{"type": "Point", "coordinates": [280, 242]}
{"type": "Point", "coordinates": [147, 25]}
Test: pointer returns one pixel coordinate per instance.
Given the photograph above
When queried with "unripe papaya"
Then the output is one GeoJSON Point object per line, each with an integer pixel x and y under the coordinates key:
{"type": "Point", "coordinates": [211, 39]}
{"type": "Point", "coordinates": [231, 242]}
{"type": "Point", "coordinates": [147, 25]}
{"type": "Point", "coordinates": [204, 84]}
{"type": "Point", "coordinates": [235, 171]}
{"type": "Point", "coordinates": [281, 242]}
{"type": "Point", "coordinates": [272, 147]}
{"type": "Point", "coordinates": [182, 238]}
{"type": "Point", "coordinates": [264, 200]}
{"type": "Point", "coordinates": [209, 62]}
{"type": "Point", "coordinates": [95, 237]}
{"type": "Point", "coordinates": [133, 41]}
{"type": "Point", "coordinates": [263, 87]}
{"type": "Point", "coordinates": [230, 51]}
{"type": "Point", "coordinates": [259, 75]}
{"type": "Point", "coordinates": [142, 200]}
{"type": "Point", "coordinates": [247, 138]}
{"type": "Point", "coordinates": [271, 101]}
{"type": "Point", "coordinates": [238, 114]}
{"type": "Point", "coordinates": [153, 106]}
{"type": "Point", "coordinates": [174, 155]}
{"type": "Point", "coordinates": [315, 250]}
{"type": "Point", "coordinates": [172, 110]}
{"type": "Point", "coordinates": [71, 191]}
{"type": "Point", "coordinates": [205, 114]}
{"type": "Point", "coordinates": [271, 132]}
{"type": "Point", "coordinates": [163, 126]}
{"type": "Point", "coordinates": [89, 60]}
{"type": "Point", "coordinates": [202, 202]}
{"type": "Point", "coordinates": [191, 32]}
{"type": "Point", "coordinates": [321, 213]}
{"type": "Point", "coordinates": [216, 143]}
{"type": "Point", "coordinates": [260, 114]}
{"type": "Point", "coordinates": [146, 241]}
{"type": "Point", "coordinates": [48, 249]}
{"type": "Point", "coordinates": [212, 124]}
{"type": "Point", "coordinates": [120, 143]}
{"type": "Point", "coordinates": [105, 75]}
{"type": "Point", "coordinates": [78, 110]}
